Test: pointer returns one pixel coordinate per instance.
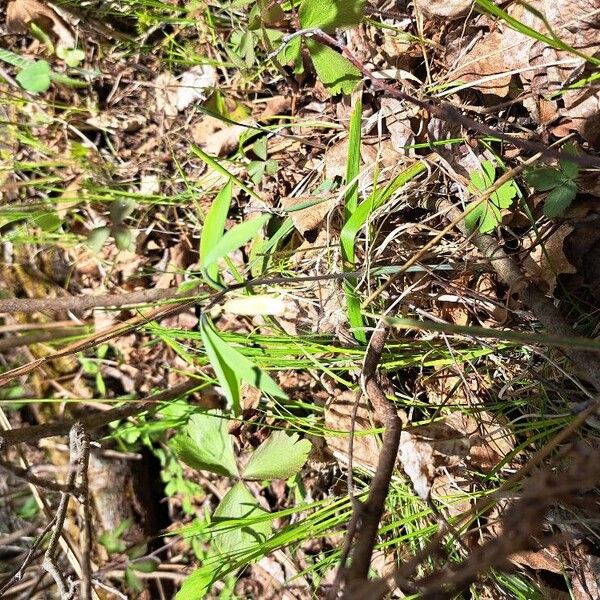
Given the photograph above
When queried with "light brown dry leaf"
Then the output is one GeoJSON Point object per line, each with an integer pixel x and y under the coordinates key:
{"type": "Point", "coordinates": [20, 14]}
{"type": "Point", "coordinates": [444, 8]}
{"type": "Point", "coordinates": [397, 116]}
{"type": "Point", "coordinates": [225, 141]}
{"type": "Point", "coordinates": [338, 421]}
{"type": "Point", "coordinates": [540, 67]}
{"type": "Point", "coordinates": [545, 559]}
{"type": "Point", "coordinates": [548, 260]}
{"type": "Point", "coordinates": [586, 582]}
{"type": "Point", "coordinates": [165, 94]}
{"type": "Point", "coordinates": [336, 157]}
{"type": "Point", "coordinates": [307, 219]}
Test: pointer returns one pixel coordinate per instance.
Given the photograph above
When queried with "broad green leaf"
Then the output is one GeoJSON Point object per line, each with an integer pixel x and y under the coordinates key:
{"type": "Point", "coordinates": [122, 235]}
{"type": "Point", "coordinates": [291, 54]}
{"type": "Point", "coordinates": [487, 215]}
{"type": "Point", "coordinates": [559, 199]}
{"type": "Point", "coordinates": [484, 218]}
{"type": "Point", "coordinates": [133, 582]}
{"type": "Point", "coordinates": [197, 585]}
{"type": "Point", "coordinates": [336, 73]}
{"type": "Point", "coordinates": [237, 505]}
{"type": "Point", "coordinates": [280, 456]}
{"type": "Point", "coordinates": [331, 14]}
{"type": "Point", "coordinates": [48, 221]}
{"type": "Point", "coordinates": [35, 77]}
{"type": "Point", "coordinates": [212, 229]}
{"type": "Point", "coordinates": [544, 178]}
{"type": "Point", "coordinates": [97, 238]}
{"type": "Point", "coordinates": [235, 238]}
{"type": "Point", "coordinates": [207, 445]}
{"type": "Point", "coordinates": [231, 366]}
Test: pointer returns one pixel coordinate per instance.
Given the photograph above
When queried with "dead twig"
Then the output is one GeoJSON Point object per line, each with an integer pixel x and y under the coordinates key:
{"type": "Point", "coordinates": [368, 515]}
{"type": "Point", "coordinates": [94, 421]}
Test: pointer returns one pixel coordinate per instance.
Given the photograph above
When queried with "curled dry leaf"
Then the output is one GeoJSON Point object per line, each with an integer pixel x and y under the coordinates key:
{"type": "Point", "coordinates": [21, 14]}
{"type": "Point", "coordinates": [444, 8]}
{"type": "Point", "coordinates": [174, 95]}
{"type": "Point", "coordinates": [547, 260]}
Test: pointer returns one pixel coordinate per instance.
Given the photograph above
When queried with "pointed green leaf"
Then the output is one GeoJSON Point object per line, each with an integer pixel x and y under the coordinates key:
{"type": "Point", "coordinates": [207, 444]}
{"type": "Point", "coordinates": [233, 366]}
{"type": "Point", "coordinates": [279, 457]}
{"type": "Point", "coordinates": [228, 379]}
{"type": "Point", "coordinates": [237, 505]}
{"type": "Point", "coordinates": [235, 238]}
{"type": "Point", "coordinates": [35, 77]}
{"type": "Point", "coordinates": [97, 238]}
{"type": "Point", "coordinates": [559, 199]}
{"type": "Point", "coordinates": [145, 565]}
{"type": "Point", "coordinates": [336, 73]}
{"type": "Point", "coordinates": [212, 229]}
{"type": "Point", "coordinates": [331, 14]}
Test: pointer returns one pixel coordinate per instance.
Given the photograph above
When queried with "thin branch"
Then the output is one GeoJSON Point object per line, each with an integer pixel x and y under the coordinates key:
{"type": "Point", "coordinates": [94, 421]}
{"type": "Point", "coordinates": [448, 113]}
{"type": "Point", "coordinates": [32, 305]}
{"type": "Point", "coordinates": [26, 475]}
{"type": "Point", "coordinates": [50, 564]}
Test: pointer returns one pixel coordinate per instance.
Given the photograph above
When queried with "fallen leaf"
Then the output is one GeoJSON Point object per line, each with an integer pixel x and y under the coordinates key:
{"type": "Point", "coordinates": [547, 260]}
{"type": "Point", "coordinates": [310, 217]}
{"type": "Point", "coordinates": [338, 423]}
{"type": "Point", "coordinates": [541, 68]}
{"type": "Point", "coordinates": [444, 8]}
{"type": "Point", "coordinates": [195, 85]}
{"type": "Point", "coordinates": [21, 14]}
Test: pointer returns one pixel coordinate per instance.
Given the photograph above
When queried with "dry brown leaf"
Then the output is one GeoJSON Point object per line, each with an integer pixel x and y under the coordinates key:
{"type": "Point", "coordinates": [548, 260]}
{"type": "Point", "coordinates": [540, 67]}
{"type": "Point", "coordinates": [444, 8]}
{"type": "Point", "coordinates": [338, 421]}
{"type": "Point", "coordinates": [307, 219]}
{"type": "Point", "coordinates": [397, 116]}
{"type": "Point", "coordinates": [21, 14]}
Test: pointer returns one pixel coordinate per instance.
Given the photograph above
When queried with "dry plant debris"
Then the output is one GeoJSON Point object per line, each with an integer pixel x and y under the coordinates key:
{"type": "Point", "coordinates": [312, 287]}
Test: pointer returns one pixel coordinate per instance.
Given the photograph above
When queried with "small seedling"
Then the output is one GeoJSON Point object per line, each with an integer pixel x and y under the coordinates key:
{"type": "Point", "coordinates": [122, 235]}
{"type": "Point", "coordinates": [487, 215]}
{"type": "Point", "coordinates": [560, 182]}
{"type": "Point", "coordinates": [241, 524]}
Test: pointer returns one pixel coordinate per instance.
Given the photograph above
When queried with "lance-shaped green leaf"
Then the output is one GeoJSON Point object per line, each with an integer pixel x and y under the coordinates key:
{"type": "Point", "coordinates": [231, 366]}
{"type": "Point", "coordinates": [235, 238]}
{"type": "Point", "coordinates": [280, 456]}
{"type": "Point", "coordinates": [241, 508]}
{"type": "Point", "coordinates": [207, 445]}
{"type": "Point", "coordinates": [212, 229]}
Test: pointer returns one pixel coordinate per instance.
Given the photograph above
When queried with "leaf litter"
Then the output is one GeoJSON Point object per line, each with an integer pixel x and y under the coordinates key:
{"type": "Point", "coordinates": [135, 126]}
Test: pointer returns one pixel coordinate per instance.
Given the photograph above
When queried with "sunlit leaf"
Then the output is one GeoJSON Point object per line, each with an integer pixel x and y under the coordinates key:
{"type": "Point", "coordinates": [336, 73]}
{"type": "Point", "coordinates": [207, 444]}
{"type": "Point", "coordinates": [331, 14]}
{"type": "Point", "coordinates": [279, 457]}
{"type": "Point", "coordinates": [239, 504]}
{"type": "Point", "coordinates": [212, 229]}
{"type": "Point", "coordinates": [35, 77]}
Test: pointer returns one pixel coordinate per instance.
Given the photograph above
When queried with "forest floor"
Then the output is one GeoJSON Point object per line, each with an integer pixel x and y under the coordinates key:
{"type": "Point", "coordinates": [241, 273]}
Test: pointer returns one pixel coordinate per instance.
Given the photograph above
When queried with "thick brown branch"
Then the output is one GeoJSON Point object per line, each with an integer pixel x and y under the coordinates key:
{"type": "Point", "coordinates": [372, 511]}
{"type": "Point", "coordinates": [32, 305]}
